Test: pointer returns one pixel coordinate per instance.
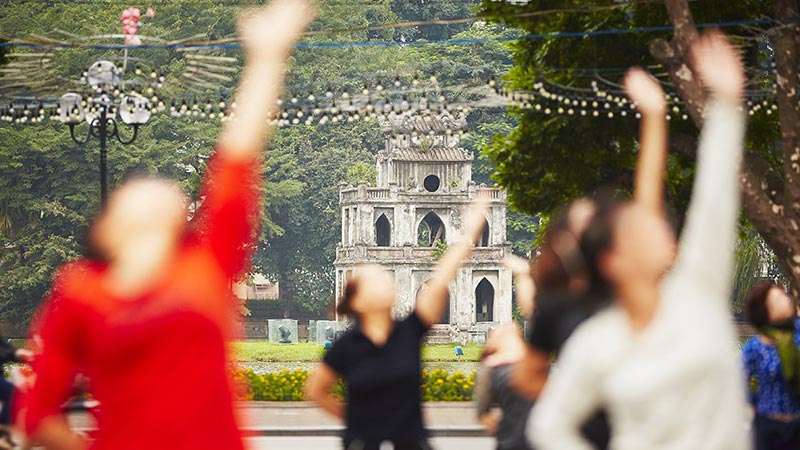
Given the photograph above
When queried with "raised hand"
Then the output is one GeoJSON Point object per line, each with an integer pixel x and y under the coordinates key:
{"type": "Point", "coordinates": [526, 288]}
{"type": "Point", "coordinates": [267, 35]}
{"type": "Point", "coordinates": [505, 346]}
{"type": "Point", "coordinates": [475, 218]}
{"type": "Point", "coordinates": [517, 265]}
{"type": "Point", "coordinates": [275, 28]}
{"type": "Point", "coordinates": [719, 66]}
{"type": "Point", "coordinates": [645, 91]}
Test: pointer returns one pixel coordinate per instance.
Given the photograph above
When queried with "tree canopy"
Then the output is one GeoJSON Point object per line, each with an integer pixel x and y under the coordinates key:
{"type": "Point", "coordinates": [49, 188]}
{"type": "Point", "coordinates": [550, 158]}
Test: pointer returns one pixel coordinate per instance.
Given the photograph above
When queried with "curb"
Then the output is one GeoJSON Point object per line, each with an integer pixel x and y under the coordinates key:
{"type": "Point", "coordinates": [336, 431]}
{"type": "Point", "coordinates": [320, 431]}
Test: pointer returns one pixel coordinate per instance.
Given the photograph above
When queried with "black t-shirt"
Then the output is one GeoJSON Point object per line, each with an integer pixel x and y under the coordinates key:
{"type": "Point", "coordinates": [383, 384]}
{"type": "Point", "coordinates": [556, 316]}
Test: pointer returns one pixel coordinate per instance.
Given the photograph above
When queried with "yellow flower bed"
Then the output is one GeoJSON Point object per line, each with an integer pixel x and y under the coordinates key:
{"type": "Point", "coordinates": [287, 385]}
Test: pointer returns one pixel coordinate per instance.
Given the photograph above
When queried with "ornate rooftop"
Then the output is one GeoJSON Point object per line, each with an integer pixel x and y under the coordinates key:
{"type": "Point", "coordinates": [406, 124]}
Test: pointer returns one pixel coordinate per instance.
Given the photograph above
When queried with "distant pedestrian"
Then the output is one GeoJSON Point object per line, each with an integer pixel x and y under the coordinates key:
{"type": "Point", "coordinates": [772, 361]}
{"type": "Point", "coordinates": [501, 410]}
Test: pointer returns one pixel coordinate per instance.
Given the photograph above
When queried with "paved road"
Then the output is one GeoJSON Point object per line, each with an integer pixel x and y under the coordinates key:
{"type": "Point", "coordinates": [332, 443]}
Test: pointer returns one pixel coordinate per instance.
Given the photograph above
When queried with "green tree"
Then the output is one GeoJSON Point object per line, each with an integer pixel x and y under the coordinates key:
{"type": "Point", "coordinates": [427, 10]}
{"type": "Point", "coordinates": [549, 159]}
{"type": "Point", "coordinates": [49, 185]}
{"type": "Point", "coordinates": [300, 256]}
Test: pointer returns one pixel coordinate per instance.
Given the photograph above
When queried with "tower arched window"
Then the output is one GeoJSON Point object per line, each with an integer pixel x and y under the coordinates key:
{"type": "Point", "coordinates": [483, 241]}
{"type": "Point", "coordinates": [430, 230]}
{"type": "Point", "coordinates": [484, 301]}
{"type": "Point", "coordinates": [383, 231]}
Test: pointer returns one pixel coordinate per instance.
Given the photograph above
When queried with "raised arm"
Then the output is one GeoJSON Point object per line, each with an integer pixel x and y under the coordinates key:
{"type": "Point", "coordinates": [228, 217]}
{"type": "Point", "coordinates": [267, 36]}
{"type": "Point", "coordinates": [706, 257]}
{"type": "Point", "coordinates": [525, 286]}
{"type": "Point", "coordinates": [646, 93]}
{"type": "Point", "coordinates": [319, 389]}
{"type": "Point", "coordinates": [432, 301]}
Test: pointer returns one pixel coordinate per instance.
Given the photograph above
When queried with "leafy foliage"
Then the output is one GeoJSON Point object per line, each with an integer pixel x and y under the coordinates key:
{"type": "Point", "coordinates": [439, 249]}
{"type": "Point", "coordinates": [547, 160]}
{"type": "Point", "coordinates": [49, 185]}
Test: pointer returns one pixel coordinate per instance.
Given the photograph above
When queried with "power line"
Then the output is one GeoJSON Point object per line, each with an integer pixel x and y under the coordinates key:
{"type": "Point", "coordinates": [464, 41]}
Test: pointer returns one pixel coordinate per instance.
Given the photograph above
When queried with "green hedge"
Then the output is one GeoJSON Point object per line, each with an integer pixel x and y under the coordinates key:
{"type": "Point", "coordinates": [287, 385]}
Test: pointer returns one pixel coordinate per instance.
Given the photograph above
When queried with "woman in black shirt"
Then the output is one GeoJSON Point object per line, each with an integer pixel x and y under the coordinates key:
{"type": "Point", "coordinates": [379, 358]}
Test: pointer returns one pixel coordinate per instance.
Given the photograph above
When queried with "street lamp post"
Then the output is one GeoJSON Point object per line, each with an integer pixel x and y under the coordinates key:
{"type": "Point", "coordinates": [99, 112]}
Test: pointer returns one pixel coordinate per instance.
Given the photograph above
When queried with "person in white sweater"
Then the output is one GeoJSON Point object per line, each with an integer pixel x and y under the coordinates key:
{"type": "Point", "coordinates": [662, 360]}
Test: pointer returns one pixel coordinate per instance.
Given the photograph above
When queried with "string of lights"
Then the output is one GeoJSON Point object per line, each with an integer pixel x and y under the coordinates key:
{"type": "Point", "coordinates": [423, 97]}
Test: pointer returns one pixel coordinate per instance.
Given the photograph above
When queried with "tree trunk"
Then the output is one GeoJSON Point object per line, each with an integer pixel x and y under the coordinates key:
{"type": "Point", "coordinates": [773, 211]}
{"type": "Point", "coordinates": [286, 294]}
{"type": "Point", "coordinates": [785, 43]}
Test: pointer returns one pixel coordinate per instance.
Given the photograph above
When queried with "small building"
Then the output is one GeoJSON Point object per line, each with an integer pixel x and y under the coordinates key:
{"type": "Point", "coordinates": [424, 182]}
{"type": "Point", "coordinates": [258, 287]}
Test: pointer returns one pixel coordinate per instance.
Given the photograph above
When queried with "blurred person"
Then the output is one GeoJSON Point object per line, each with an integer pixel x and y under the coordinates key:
{"type": "Point", "coordinates": [772, 360]}
{"type": "Point", "coordinates": [9, 353]}
{"type": "Point", "coordinates": [502, 410]}
{"type": "Point", "coordinates": [662, 359]}
{"type": "Point", "coordinates": [379, 358]}
{"type": "Point", "coordinates": [565, 296]}
{"type": "Point", "coordinates": [149, 322]}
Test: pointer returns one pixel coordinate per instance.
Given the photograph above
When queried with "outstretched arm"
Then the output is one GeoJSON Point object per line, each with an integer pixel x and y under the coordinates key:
{"type": "Point", "coordinates": [646, 93]}
{"type": "Point", "coordinates": [267, 37]}
{"type": "Point", "coordinates": [710, 230]}
{"type": "Point", "coordinates": [319, 389]}
{"type": "Point", "coordinates": [433, 300]}
{"type": "Point", "coordinates": [228, 218]}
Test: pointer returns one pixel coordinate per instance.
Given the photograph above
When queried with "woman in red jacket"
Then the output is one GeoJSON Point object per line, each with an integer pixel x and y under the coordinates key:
{"type": "Point", "coordinates": [148, 323]}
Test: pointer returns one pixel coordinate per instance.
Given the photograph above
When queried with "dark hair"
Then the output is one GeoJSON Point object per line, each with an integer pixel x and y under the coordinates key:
{"type": "Point", "coordinates": [755, 303]}
{"type": "Point", "coordinates": [345, 304]}
{"type": "Point", "coordinates": [549, 272]}
{"type": "Point", "coordinates": [598, 238]}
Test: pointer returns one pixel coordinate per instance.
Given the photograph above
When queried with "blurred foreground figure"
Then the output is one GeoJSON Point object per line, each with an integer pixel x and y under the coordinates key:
{"type": "Point", "coordinates": [502, 410]}
{"type": "Point", "coordinates": [379, 358]}
{"type": "Point", "coordinates": [148, 323]}
{"type": "Point", "coordinates": [662, 360]}
{"type": "Point", "coordinates": [564, 293]}
{"type": "Point", "coordinates": [772, 360]}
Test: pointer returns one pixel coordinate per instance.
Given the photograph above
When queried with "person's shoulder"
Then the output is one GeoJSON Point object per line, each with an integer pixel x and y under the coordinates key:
{"type": "Point", "coordinates": [603, 320]}
{"type": "Point", "coordinates": [501, 374]}
{"type": "Point", "coordinates": [754, 343]}
{"type": "Point", "coordinates": [602, 330]}
{"type": "Point", "coordinates": [411, 322]}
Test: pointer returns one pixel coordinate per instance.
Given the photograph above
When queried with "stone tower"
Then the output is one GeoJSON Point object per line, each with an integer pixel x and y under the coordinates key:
{"type": "Point", "coordinates": [424, 181]}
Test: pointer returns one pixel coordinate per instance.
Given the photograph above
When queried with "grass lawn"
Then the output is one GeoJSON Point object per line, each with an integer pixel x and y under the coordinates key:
{"type": "Point", "coordinates": [266, 352]}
